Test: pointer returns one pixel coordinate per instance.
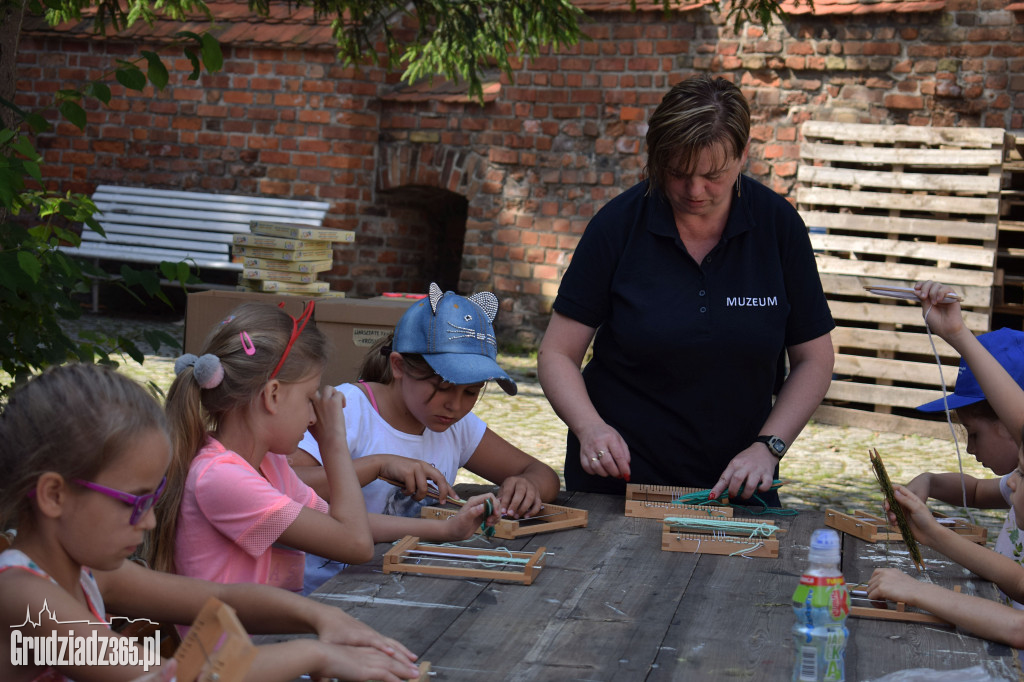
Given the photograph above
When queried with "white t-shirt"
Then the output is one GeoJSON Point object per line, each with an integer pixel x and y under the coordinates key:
{"type": "Point", "coordinates": [1009, 540]}
{"type": "Point", "coordinates": [369, 434]}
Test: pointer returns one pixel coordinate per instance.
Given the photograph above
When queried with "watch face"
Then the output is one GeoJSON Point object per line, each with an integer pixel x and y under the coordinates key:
{"type": "Point", "coordinates": [777, 445]}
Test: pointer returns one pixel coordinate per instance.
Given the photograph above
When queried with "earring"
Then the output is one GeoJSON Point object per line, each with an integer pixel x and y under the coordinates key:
{"type": "Point", "coordinates": [737, 185]}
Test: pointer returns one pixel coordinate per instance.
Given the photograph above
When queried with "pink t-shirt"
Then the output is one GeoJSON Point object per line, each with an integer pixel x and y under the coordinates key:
{"type": "Point", "coordinates": [231, 516]}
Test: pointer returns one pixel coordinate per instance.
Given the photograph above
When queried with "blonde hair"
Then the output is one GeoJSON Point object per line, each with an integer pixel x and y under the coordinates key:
{"type": "Point", "coordinates": [697, 114]}
{"type": "Point", "coordinates": [73, 420]}
{"type": "Point", "coordinates": [193, 411]}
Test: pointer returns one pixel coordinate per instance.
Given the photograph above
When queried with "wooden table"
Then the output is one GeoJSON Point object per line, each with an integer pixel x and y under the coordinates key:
{"type": "Point", "coordinates": [611, 605]}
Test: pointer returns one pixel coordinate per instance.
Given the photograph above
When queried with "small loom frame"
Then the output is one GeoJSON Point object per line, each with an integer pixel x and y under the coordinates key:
{"type": "Point", "coordinates": [648, 501]}
{"type": "Point", "coordinates": [899, 613]}
{"type": "Point", "coordinates": [872, 528]}
{"type": "Point", "coordinates": [228, 662]}
{"type": "Point", "coordinates": [397, 560]}
{"type": "Point", "coordinates": [718, 542]}
{"type": "Point", "coordinates": [511, 529]}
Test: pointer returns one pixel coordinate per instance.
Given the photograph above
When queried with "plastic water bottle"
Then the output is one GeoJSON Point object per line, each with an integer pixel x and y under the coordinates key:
{"type": "Point", "coordinates": [821, 604]}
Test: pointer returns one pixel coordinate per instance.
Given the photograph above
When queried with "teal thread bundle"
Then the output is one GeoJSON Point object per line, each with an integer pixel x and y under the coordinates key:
{"type": "Point", "coordinates": [703, 497]}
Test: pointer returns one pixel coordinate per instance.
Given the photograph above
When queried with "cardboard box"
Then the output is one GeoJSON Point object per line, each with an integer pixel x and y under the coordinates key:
{"type": "Point", "coordinates": [351, 325]}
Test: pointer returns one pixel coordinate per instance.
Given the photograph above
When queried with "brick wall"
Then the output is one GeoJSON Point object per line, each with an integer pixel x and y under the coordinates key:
{"type": "Point", "coordinates": [528, 169]}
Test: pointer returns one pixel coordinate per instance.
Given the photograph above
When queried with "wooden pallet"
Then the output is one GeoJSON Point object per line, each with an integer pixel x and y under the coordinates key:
{"type": "Point", "coordinates": [862, 607]}
{"type": "Point", "coordinates": [675, 538]}
{"type": "Point", "coordinates": [872, 528]}
{"type": "Point", "coordinates": [552, 517]}
{"type": "Point", "coordinates": [1008, 306]}
{"type": "Point", "coordinates": [891, 205]}
{"type": "Point", "coordinates": [657, 501]}
{"type": "Point", "coordinates": [409, 555]}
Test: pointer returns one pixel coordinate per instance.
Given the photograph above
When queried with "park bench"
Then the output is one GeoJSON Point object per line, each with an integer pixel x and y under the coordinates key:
{"type": "Point", "coordinates": [144, 225]}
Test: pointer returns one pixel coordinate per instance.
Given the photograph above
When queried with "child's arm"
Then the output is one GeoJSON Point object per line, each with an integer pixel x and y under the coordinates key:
{"type": "Point", "coordinates": [525, 482]}
{"type": "Point", "coordinates": [344, 533]}
{"type": "Point", "coordinates": [983, 617]}
{"type": "Point", "coordinates": [414, 473]}
{"type": "Point", "coordinates": [984, 562]}
{"type": "Point", "coordinates": [343, 647]}
{"type": "Point", "coordinates": [1001, 390]}
{"type": "Point", "coordinates": [981, 493]}
{"type": "Point", "coordinates": [387, 528]}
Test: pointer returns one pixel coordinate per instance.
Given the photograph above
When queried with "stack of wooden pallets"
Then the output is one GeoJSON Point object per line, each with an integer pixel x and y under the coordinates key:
{"type": "Point", "coordinates": [1008, 307]}
{"type": "Point", "coordinates": [891, 205]}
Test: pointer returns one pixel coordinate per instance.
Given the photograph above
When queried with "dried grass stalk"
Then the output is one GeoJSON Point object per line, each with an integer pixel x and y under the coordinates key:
{"type": "Point", "coordinates": [897, 510]}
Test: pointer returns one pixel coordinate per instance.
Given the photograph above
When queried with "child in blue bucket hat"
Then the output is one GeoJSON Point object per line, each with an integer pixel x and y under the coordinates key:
{"type": "Point", "coordinates": [409, 416]}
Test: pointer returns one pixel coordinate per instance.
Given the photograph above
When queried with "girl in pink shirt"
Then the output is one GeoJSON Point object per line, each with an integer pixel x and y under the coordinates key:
{"type": "Point", "coordinates": [84, 453]}
{"type": "Point", "coordinates": [234, 510]}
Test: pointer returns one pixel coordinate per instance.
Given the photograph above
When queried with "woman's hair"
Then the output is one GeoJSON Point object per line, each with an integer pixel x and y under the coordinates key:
{"type": "Point", "coordinates": [377, 363]}
{"type": "Point", "coordinates": [249, 344]}
{"type": "Point", "coordinates": [696, 114]}
{"type": "Point", "coordinates": [73, 420]}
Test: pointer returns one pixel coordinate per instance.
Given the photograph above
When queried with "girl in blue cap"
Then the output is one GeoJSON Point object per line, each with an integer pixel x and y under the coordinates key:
{"type": "Point", "coordinates": [987, 363]}
{"type": "Point", "coordinates": [411, 412]}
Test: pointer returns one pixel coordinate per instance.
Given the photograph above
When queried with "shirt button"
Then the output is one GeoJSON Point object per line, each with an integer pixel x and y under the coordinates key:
{"type": "Point", "coordinates": [703, 309]}
{"type": "Point", "coordinates": [701, 293]}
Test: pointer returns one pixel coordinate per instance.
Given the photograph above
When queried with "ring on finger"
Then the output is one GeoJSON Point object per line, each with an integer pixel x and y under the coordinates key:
{"type": "Point", "coordinates": [593, 459]}
{"type": "Point", "coordinates": [600, 454]}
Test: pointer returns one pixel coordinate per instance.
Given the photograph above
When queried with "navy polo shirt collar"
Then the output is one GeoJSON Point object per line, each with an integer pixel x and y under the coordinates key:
{"type": "Point", "coordinates": [660, 220]}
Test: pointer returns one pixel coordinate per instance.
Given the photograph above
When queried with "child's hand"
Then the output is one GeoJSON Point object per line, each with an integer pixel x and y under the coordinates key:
{"type": "Point", "coordinates": [340, 628]}
{"type": "Point", "coordinates": [415, 474]}
{"type": "Point", "coordinates": [468, 520]}
{"type": "Point", "coordinates": [519, 497]}
{"type": "Point", "coordinates": [329, 428]}
{"type": "Point", "coordinates": [943, 316]}
{"type": "Point", "coordinates": [892, 584]}
{"type": "Point", "coordinates": [922, 522]}
{"type": "Point", "coordinates": [364, 663]}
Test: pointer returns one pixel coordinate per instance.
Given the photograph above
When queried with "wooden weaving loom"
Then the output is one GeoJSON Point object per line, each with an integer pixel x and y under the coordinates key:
{"type": "Point", "coordinates": [872, 528]}
{"type": "Point", "coordinates": [552, 517]}
{"type": "Point", "coordinates": [863, 607]}
{"type": "Point", "coordinates": [658, 501]}
{"type": "Point", "coordinates": [727, 541]}
{"type": "Point", "coordinates": [217, 641]}
{"type": "Point", "coordinates": [409, 555]}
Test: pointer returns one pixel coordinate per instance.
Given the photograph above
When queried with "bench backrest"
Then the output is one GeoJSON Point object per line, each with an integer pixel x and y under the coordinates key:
{"type": "Point", "coordinates": [152, 225]}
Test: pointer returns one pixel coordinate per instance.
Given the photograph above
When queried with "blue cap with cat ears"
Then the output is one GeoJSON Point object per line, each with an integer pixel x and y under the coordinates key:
{"type": "Point", "coordinates": [455, 336]}
{"type": "Point", "coordinates": [1007, 347]}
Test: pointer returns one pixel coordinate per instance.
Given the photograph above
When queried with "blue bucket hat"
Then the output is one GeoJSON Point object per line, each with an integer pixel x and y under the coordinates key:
{"type": "Point", "coordinates": [454, 335]}
{"type": "Point", "coordinates": [1007, 347]}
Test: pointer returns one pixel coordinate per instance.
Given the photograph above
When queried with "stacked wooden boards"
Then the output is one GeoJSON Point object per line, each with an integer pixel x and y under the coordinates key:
{"type": "Point", "coordinates": [1008, 306]}
{"type": "Point", "coordinates": [891, 205]}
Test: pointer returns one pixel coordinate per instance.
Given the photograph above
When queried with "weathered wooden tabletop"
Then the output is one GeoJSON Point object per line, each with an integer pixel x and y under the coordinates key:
{"type": "Point", "coordinates": [611, 605]}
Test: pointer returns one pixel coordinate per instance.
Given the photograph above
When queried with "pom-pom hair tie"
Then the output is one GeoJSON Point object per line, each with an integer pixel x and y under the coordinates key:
{"type": "Point", "coordinates": [206, 369]}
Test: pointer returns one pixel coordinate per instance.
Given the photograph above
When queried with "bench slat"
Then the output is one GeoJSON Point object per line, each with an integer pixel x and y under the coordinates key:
{"type": "Point", "coordinates": [135, 254]}
{"type": "Point", "coordinates": [130, 194]}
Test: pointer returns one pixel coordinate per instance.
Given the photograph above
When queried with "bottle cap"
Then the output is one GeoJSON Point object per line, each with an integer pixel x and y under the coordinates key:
{"type": "Point", "coordinates": [824, 547]}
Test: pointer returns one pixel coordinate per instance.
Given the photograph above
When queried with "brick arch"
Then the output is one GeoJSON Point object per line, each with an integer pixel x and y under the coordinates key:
{"type": "Point", "coordinates": [454, 169]}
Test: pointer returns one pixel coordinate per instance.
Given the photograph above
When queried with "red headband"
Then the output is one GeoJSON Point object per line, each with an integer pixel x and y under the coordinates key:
{"type": "Point", "coordinates": [306, 316]}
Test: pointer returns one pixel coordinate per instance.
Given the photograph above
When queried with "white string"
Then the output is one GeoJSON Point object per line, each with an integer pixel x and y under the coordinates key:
{"type": "Point", "coordinates": [949, 418]}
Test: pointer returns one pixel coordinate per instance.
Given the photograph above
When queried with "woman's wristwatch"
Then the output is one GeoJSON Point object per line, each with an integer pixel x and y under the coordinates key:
{"type": "Point", "coordinates": [776, 445]}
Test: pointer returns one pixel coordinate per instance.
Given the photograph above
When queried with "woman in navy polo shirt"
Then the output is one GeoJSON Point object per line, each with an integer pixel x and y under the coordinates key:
{"type": "Point", "coordinates": [695, 285]}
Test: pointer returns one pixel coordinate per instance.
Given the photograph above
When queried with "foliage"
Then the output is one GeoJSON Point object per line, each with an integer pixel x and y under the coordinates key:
{"type": "Point", "coordinates": [40, 285]}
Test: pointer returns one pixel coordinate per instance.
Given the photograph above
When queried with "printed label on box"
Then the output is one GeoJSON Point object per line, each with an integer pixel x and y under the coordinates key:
{"type": "Point", "coordinates": [363, 337]}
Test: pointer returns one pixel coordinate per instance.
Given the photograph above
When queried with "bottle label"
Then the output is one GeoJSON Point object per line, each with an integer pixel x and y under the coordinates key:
{"type": "Point", "coordinates": [824, 592]}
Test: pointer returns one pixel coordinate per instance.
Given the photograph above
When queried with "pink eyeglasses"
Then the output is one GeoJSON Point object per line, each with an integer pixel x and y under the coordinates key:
{"type": "Point", "coordinates": [140, 503]}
